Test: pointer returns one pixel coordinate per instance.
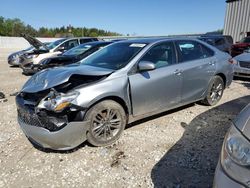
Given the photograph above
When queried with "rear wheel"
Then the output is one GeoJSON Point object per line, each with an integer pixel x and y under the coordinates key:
{"type": "Point", "coordinates": [215, 91]}
{"type": "Point", "coordinates": [107, 122]}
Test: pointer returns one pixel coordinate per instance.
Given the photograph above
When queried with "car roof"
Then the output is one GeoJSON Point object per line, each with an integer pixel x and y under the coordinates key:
{"type": "Point", "coordinates": [94, 43]}
{"type": "Point", "coordinates": [153, 40]}
{"type": "Point", "coordinates": [212, 36]}
{"type": "Point", "coordinates": [70, 38]}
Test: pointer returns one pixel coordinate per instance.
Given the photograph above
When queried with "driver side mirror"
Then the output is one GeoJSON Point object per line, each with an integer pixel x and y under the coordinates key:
{"type": "Point", "coordinates": [146, 66]}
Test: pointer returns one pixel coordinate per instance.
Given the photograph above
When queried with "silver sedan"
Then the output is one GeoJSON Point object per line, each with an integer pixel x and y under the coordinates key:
{"type": "Point", "coordinates": [94, 99]}
{"type": "Point", "coordinates": [242, 67]}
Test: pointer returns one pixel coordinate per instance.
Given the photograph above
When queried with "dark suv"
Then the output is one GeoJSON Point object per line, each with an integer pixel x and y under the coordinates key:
{"type": "Point", "coordinates": [222, 42]}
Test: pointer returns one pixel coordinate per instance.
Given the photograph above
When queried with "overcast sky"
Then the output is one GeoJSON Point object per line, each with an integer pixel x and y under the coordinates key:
{"type": "Point", "coordinates": [140, 17]}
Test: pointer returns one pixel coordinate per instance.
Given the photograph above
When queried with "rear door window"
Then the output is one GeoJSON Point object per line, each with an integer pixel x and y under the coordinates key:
{"type": "Point", "coordinates": [192, 50]}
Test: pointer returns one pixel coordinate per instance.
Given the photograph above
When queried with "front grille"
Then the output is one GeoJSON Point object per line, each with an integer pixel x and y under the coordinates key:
{"type": "Point", "coordinates": [34, 120]}
{"type": "Point", "coordinates": [245, 64]}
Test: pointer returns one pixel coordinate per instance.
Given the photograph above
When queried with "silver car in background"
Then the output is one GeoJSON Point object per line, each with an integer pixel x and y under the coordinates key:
{"type": "Point", "coordinates": [233, 167]}
{"type": "Point", "coordinates": [42, 51]}
{"type": "Point", "coordinates": [242, 67]}
{"type": "Point", "coordinates": [14, 58]}
{"type": "Point", "coordinates": [126, 81]}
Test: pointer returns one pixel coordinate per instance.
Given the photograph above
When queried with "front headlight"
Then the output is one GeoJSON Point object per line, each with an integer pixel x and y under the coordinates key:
{"type": "Point", "coordinates": [57, 102]}
{"type": "Point", "coordinates": [238, 148]}
{"type": "Point", "coordinates": [235, 156]}
{"type": "Point", "coordinates": [16, 58]}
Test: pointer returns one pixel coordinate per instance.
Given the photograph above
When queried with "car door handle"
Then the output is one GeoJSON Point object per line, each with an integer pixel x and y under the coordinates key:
{"type": "Point", "coordinates": [211, 63]}
{"type": "Point", "coordinates": [177, 72]}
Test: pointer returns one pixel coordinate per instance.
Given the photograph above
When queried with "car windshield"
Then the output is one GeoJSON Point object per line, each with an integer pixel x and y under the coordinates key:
{"type": "Point", "coordinates": [115, 56]}
{"type": "Point", "coordinates": [55, 43]}
{"type": "Point", "coordinates": [245, 40]}
{"type": "Point", "coordinates": [78, 49]}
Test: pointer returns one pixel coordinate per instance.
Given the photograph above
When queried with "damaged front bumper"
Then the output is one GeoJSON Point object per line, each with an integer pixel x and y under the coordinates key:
{"type": "Point", "coordinates": [69, 137]}
{"type": "Point", "coordinates": [47, 131]}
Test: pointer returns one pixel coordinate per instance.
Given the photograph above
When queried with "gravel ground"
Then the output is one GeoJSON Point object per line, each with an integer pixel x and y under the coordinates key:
{"type": "Point", "coordinates": [179, 148]}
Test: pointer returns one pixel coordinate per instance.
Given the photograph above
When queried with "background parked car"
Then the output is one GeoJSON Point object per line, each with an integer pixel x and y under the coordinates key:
{"type": "Point", "coordinates": [71, 56]}
{"type": "Point", "coordinates": [240, 46]}
{"type": "Point", "coordinates": [14, 58]}
{"type": "Point", "coordinates": [129, 80]}
{"type": "Point", "coordinates": [242, 67]}
{"type": "Point", "coordinates": [42, 51]}
{"type": "Point", "coordinates": [222, 42]}
{"type": "Point", "coordinates": [233, 167]}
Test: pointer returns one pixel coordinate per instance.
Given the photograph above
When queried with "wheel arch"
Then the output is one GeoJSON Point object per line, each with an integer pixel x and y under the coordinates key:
{"type": "Point", "coordinates": [224, 78]}
{"type": "Point", "coordinates": [117, 99]}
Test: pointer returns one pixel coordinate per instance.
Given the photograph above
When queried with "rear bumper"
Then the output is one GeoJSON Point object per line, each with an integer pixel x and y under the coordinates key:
{"type": "Point", "coordinates": [221, 179]}
{"type": "Point", "coordinates": [71, 136]}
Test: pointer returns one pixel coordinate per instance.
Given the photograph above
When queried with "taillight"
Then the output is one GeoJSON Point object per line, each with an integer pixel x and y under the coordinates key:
{"type": "Point", "coordinates": [232, 61]}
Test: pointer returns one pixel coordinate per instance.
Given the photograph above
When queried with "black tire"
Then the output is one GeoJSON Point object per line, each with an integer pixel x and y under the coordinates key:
{"type": "Point", "coordinates": [215, 91]}
{"type": "Point", "coordinates": [107, 122]}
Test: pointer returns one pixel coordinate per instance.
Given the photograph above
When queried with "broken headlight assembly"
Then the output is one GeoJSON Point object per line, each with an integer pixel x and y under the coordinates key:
{"type": "Point", "coordinates": [235, 156]}
{"type": "Point", "coordinates": [56, 101]}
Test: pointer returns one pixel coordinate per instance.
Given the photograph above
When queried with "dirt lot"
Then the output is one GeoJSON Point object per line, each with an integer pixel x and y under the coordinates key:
{"type": "Point", "coordinates": [175, 149]}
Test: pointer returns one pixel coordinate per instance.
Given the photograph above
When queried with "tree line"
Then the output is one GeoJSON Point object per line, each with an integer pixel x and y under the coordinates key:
{"type": "Point", "coordinates": [14, 27]}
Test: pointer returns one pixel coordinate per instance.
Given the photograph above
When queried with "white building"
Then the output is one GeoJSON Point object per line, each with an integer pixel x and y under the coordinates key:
{"type": "Point", "coordinates": [237, 19]}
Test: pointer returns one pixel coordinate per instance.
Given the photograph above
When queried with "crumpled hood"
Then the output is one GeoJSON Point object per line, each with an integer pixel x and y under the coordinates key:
{"type": "Point", "coordinates": [242, 122]}
{"type": "Point", "coordinates": [243, 57]}
{"type": "Point", "coordinates": [49, 78]}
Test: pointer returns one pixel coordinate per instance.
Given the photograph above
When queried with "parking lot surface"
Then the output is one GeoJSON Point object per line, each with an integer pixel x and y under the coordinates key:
{"type": "Point", "coordinates": [179, 148]}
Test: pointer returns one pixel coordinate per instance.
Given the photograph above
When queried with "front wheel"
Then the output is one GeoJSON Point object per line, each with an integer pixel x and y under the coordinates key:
{"type": "Point", "coordinates": [107, 122]}
{"type": "Point", "coordinates": [215, 91]}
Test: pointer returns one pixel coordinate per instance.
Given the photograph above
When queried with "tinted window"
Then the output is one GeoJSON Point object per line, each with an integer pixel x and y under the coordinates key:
{"type": "Point", "coordinates": [70, 44]}
{"type": "Point", "coordinates": [245, 40]}
{"type": "Point", "coordinates": [206, 51]}
{"type": "Point", "coordinates": [192, 50]}
{"type": "Point", "coordinates": [219, 41]}
{"type": "Point", "coordinates": [229, 39]}
{"type": "Point", "coordinates": [85, 40]}
{"type": "Point", "coordinates": [114, 56]}
{"type": "Point", "coordinates": [55, 43]}
{"type": "Point", "coordinates": [161, 55]}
